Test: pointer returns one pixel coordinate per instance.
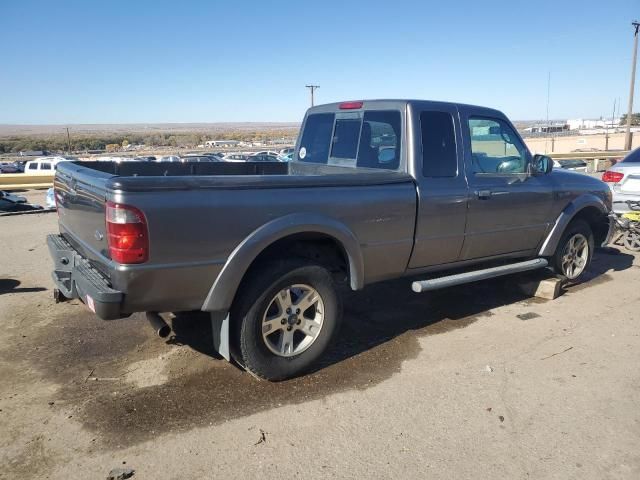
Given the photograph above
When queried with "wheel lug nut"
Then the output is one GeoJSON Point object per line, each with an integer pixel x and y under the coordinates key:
{"type": "Point", "coordinates": [283, 321]}
{"type": "Point", "coordinates": [297, 310]}
{"type": "Point", "coordinates": [288, 310]}
{"type": "Point", "coordinates": [289, 328]}
{"type": "Point", "coordinates": [299, 322]}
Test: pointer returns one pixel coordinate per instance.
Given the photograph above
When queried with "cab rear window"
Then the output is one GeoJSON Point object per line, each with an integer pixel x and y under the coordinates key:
{"type": "Point", "coordinates": [370, 139]}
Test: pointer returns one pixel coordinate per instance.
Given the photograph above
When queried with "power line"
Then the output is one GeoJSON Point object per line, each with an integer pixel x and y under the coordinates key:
{"type": "Point", "coordinates": [312, 89]}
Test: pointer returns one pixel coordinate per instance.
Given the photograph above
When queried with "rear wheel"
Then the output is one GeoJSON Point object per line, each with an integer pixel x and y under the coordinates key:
{"type": "Point", "coordinates": [286, 315]}
{"type": "Point", "coordinates": [575, 251]}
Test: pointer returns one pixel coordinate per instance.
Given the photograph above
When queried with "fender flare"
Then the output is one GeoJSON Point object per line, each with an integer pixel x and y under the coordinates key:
{"type": "Point", "coordinates": [224, 288]}
{"type": "Point", "coordinates": [586, 200]}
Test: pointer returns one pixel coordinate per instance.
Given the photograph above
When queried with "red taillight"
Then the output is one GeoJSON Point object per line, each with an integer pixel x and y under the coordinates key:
{"type": "Point", "coordinates": [350, 105]}
{"type": "Point", "coordinates": [612, 177]}
{"type": "Point", "coordinates": [127, 234]}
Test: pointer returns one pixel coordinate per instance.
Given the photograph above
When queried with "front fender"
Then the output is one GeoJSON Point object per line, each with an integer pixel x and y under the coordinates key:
{"type": "Point", "coordinates": [586, 200]}
{"type": "Point", "coordinates": [224, 288]}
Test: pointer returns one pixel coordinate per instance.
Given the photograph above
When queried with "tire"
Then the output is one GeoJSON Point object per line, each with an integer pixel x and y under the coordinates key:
{"type": "Point", "coordinates": [271, 343]}
{"type": "Point", "coordinates": [566, 259]}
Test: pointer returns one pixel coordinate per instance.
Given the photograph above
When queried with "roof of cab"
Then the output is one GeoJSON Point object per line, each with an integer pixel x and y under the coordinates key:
{"type": "Point", "coordinates": [395, 103]}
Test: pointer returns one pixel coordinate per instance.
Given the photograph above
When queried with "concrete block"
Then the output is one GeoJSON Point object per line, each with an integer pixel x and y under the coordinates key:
{"type": "Point", "coordinates": [548, 288]}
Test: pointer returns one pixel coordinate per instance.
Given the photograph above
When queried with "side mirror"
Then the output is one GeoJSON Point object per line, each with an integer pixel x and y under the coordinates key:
{"type": "Point", "coordinates": [541, 164]}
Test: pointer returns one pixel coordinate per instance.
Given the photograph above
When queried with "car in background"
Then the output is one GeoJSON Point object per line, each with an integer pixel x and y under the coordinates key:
{"type": "Point", "coordinates": [15, 203]}
{"type": "Point", "coordinates": [263, 158]}
{"type": "Point", "coordinates": [199, 158]}
{"type": "Point", "coordinates": [287, 151]}
{"type": "Point", "coordinates": [41, 166]}
{"type": "Point", "coordinates": [285, 157]}
{"type": "Point", "coordinates": [574, 164]}
{"type": "Point", "coordinates": [9, 167]}
{"type": "Point", "coordinates": [145, 158]}
{"type": "Point", "coordinates": [624, 180]}
{"type": "Point", "coordinates": [237, 157]}
{"type": "Point", "coordinates": [169, 158]}
{"type": "Point", "coordinates": [266, 152]}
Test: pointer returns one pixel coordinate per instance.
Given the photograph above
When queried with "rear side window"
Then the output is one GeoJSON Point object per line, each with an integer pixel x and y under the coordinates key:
{"type": "Point", "coordinates": [45, 166]}
{"type": "Point", "coordinates": [316, 138]}
{"type": "Point", "coordinates": [439, 157]}
{"type": "Point", "coordinates": [380, 140]}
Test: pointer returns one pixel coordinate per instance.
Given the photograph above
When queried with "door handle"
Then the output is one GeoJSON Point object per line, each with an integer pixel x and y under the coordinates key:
{"type": "Point", "coordinates": [483, 194]}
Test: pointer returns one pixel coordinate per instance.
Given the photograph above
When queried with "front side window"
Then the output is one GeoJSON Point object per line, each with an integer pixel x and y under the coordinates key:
{"type": "Point", "coordinates": [33, 166]}
{"type": "Point", "coordinates": [45, 166]}
{"type": "Point", "coordinates": [495, 148]}
{"type": "Point", "coordinates": [439, 158]}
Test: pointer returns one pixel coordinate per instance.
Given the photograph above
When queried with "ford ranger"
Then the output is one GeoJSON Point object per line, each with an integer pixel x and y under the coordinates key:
{"type": "Point", "coordinates": [442, 192]}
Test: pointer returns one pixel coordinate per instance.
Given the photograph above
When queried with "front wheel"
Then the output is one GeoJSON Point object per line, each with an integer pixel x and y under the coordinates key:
{"type": "Point", "coordinates": [575, 251]}
{"type": "Point", "coordinates": [286, 315]}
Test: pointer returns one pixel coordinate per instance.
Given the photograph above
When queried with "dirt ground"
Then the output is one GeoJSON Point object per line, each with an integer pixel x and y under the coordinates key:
{"type": "Point", "coordinates": [472, 382]}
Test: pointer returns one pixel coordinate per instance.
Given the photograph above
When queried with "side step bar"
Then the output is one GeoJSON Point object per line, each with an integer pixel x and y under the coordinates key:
{"type": "Point", "coordinates": [468, 277]}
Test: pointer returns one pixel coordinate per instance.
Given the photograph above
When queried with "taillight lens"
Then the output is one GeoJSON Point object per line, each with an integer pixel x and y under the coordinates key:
{"type": "Point", "coordinates": [612, 177]}
{"type": "Point", "coordinates": [127, 234]}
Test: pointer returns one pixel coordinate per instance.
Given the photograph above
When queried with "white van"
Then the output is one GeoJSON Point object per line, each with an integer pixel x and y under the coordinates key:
{"type": "Point", "coordinates": [43, 165]}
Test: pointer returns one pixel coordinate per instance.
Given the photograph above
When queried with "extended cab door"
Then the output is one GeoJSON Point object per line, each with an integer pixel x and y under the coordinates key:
{"type": "Point", "coordinates": [438, 168]}
{"type": "Point", "coordinates": [509, 207]}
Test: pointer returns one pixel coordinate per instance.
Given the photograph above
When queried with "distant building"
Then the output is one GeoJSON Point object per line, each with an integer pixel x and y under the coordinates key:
{"type": "Point", "coordinates": [34, 153]}
{"type": "Point", "coordinates": [585, 124]}
{"type": "Point", "coordinates": [554, 128]}
{"type": "Point", "coordinates": [221, 143]}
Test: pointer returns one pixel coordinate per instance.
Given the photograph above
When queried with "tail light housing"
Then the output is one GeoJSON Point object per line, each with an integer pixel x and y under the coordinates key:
{"type": "Point", "coordinates": [127, 234]}
{"type": "Point", "coordinates": [612, 177]}
{"type": "Point", "coordinates": [351, 105]}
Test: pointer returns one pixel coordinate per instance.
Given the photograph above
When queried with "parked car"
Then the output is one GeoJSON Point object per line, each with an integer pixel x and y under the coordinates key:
{"type": "Point", "coordinates": [9, 167]}
{"type": "Point", "coordinates": [200, 158]}
{"type": "Point", "coordinates": [378, 190]}
{"type": "Point", "coordinates": [624, 180]}
{"type": "Point", "coordinates": [576, 165]}
{"type": "Point", "coordinates": [15, 203]}
{"type": "Point", "coordinates": [263, 158]}
{"type": "Point", "coordinates": [287, 151]}
{"type": "Point", "coordinates": [146, 158]}
{"type": "Point", "coordinates": [43, 165]}
{"type": "Point", "coordinates": [169, 158]}
{"type": "Point", "coordinates": [288, 157]}
{"type": "Point", "coordinates": [236, 157]}
{"type": "Point", "coordinates": [266, 152]}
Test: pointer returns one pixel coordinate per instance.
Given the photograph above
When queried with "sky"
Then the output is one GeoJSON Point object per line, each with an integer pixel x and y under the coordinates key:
{"type": "Point", "coordinates": [69, 62]}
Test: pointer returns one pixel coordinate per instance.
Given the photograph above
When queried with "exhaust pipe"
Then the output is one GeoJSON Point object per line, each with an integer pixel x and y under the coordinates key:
{"type": "Point", "coordinates": [161, 327]}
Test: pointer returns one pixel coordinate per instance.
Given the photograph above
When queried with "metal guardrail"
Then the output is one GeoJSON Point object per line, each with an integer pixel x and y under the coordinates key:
{"type": "Point", "coordinates": [22, 181]}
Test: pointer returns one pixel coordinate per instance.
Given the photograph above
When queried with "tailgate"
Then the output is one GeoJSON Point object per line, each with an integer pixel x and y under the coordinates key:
{"type": "Point", "coordinates": [81, 199]}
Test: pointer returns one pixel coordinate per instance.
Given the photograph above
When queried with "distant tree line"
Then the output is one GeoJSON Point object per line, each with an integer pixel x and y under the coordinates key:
{"type": "Point", "coordinates": [83, 142]}
{"type": "Point", "coordinates": [635, 119]}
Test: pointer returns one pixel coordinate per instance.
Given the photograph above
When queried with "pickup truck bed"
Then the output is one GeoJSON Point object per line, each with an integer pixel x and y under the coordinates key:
{"type": "Point", "coordinates": [186, 205]}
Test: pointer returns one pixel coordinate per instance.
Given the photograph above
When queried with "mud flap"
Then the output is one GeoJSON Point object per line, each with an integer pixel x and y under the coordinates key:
{"type": "Point", "coordinates": [220, 331]}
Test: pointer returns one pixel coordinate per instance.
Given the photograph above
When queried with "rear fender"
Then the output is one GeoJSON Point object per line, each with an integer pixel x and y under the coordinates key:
{"type": "Point", "coordinates": [224, 288]}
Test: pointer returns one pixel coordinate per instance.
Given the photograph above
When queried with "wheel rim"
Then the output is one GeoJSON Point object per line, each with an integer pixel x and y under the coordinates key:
{"type": "Point", "coordinates": [575, 256]}
{"type": "Point", "coordinates": [293, 320]}
{"type": "Point", "coordinates": [632, 241]}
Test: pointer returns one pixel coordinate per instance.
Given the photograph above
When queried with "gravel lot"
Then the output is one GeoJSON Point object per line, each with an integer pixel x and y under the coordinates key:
{"type": "Point", "coordinates": [451, 384]}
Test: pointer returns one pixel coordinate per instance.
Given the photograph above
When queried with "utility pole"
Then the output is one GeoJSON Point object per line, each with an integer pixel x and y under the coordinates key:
{"type": "Point", "coordinates": [627, 139]}
{"type": "Point", "coordinates": [68, 141]}
{"type": "Point", "coordinates": [613, 116]}
{"type": "Point", "coordinates": [312, 88]}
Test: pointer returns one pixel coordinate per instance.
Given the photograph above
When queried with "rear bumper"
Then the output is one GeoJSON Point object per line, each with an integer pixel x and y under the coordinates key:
{"type": "Point", "coordinates": [75, 278]}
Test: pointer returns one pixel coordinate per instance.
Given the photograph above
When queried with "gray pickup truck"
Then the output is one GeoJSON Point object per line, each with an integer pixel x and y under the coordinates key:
{"type": "Point", "coordinates": [446, 193]}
